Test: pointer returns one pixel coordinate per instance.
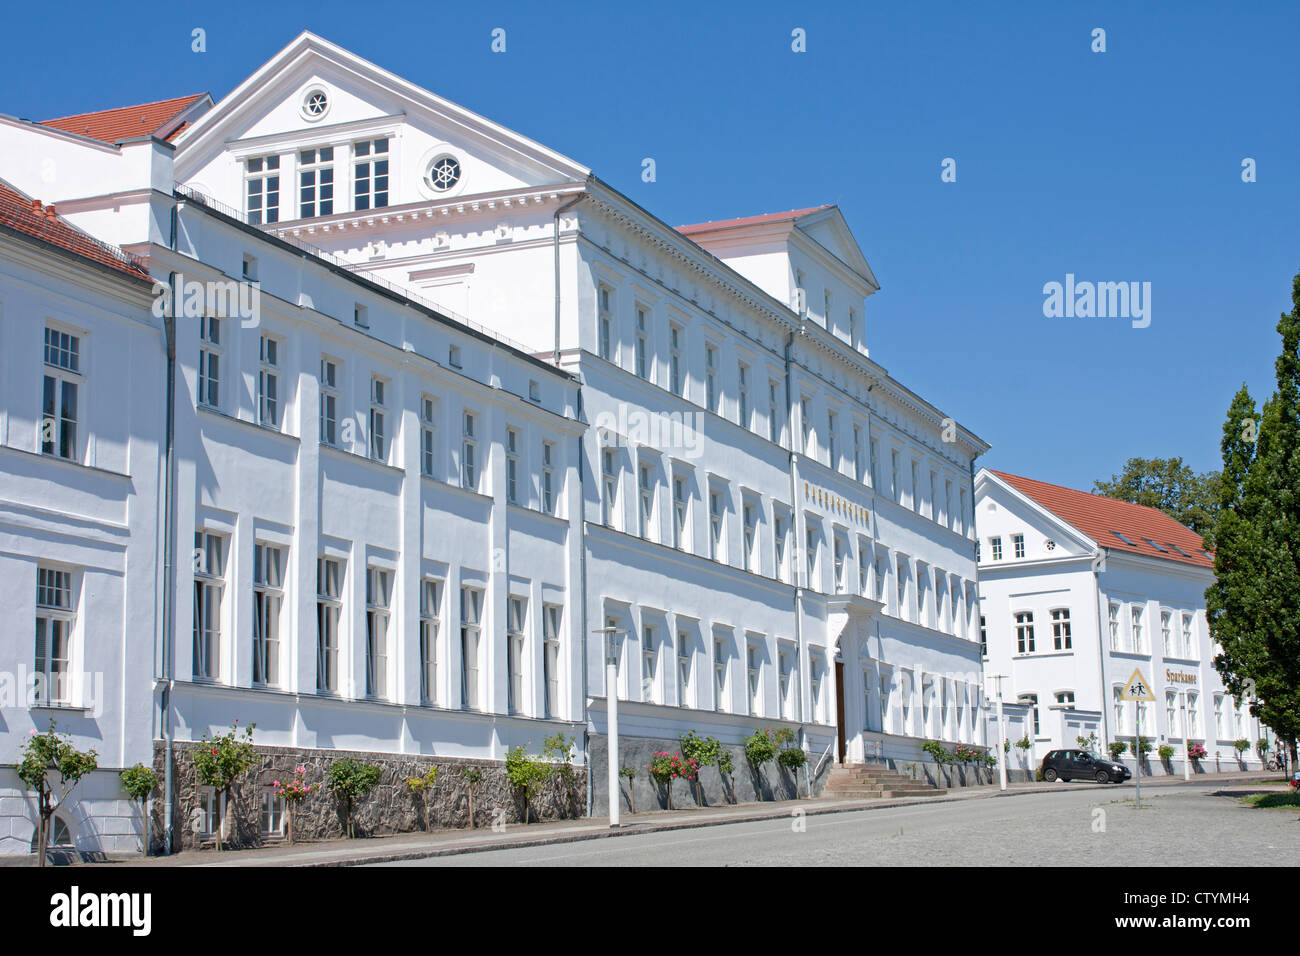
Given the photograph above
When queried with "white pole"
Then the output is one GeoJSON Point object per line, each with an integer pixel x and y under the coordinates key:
{"type": "Point", "coordinates": [611, 695]}
{"type": "Point", "coordinates": [1187, 742]}
{"type": "Point", "coordinates": [1137, 750]}
{"type": "Point", "coordinates": [1002, 754]}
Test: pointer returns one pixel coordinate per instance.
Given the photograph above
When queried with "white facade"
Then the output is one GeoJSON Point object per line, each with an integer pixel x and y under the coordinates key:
{"type": "Point", "coordinates": [1068, 618]}
{"type": "Point", "coordinates": [691, 444]}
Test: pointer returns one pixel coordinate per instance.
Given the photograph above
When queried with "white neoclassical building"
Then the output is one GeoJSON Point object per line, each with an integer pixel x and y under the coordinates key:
{"type": "Point", "coordinates": [1077, 591]}
{"type": "Point", "coordinates": [489, 407]}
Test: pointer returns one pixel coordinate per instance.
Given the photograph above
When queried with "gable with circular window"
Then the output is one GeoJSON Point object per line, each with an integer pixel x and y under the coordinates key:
{"type": "Point", "coordinates": [315, 103]}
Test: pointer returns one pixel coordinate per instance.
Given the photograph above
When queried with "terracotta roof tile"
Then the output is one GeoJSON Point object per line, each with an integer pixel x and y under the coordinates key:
{"type": "Point", "coordinates": [1104, 519]}
{"type": "Point", "coordinates": [748, 220]}
{"type": "Point", "coordinates": [124, 122]}
{"type": "Point", "coordinates": [22, 213]}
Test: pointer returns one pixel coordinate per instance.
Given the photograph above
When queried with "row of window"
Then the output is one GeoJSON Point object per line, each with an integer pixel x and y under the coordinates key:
{"type": "Point", "coordinates": [1027, 642]}
{"type": "Point", "coordinates": [382, 642]}
{"type": "Point", "coordinates": [1182, 715]}
{"type": "Point", "coordinates": [367, 164]}
{"type": "Point", "coordinates": [1177, 638]}
{"type": "Point", "coordinates": [759, 406]}
{"type": "Point", "coordinates": [995, 547]}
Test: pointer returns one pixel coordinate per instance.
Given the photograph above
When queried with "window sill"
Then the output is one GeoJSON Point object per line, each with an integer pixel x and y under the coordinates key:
{"type": "Point", "coordinates": [62, 708]}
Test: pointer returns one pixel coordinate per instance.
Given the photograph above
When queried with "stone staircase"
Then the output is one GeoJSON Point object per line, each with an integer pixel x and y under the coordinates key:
{"type": "Point", "coordinates": [857, 781]}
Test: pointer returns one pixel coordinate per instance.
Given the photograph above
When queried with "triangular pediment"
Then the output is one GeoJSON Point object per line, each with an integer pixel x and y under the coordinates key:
{"type": "Point", "coordinates": [828, 228]}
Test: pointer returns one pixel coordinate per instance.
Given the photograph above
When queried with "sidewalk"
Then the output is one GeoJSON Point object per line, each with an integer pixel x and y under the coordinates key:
{"type": "Point", "coordinates": [413, 846]}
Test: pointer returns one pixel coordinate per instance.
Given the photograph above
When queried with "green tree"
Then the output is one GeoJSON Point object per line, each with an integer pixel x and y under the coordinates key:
{"type": "Point", "coordinates": [138, 782]}
{"type": "Point", "coordinates": [350, 780]}
{"type": "Point", "coordinates": [526, 774]}
{"type": "Point", "coordinates": [43, 755]}
{"type": "Point", "coordinates": [1168, 485]}
{"type": "Point", "coordinates": [220, 761]}
{"type": "Point", "coordinates": [1253, 607]}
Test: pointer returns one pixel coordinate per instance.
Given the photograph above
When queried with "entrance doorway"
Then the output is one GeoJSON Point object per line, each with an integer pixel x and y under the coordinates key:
{"type": "Point", "coordinates": [839, 709]}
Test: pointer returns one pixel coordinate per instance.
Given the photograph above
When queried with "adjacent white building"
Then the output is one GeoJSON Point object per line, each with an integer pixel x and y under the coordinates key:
{"type": "Point", "coordinates": [1077, 591]}
{"type": "Point", "coordinates": [486, 407]}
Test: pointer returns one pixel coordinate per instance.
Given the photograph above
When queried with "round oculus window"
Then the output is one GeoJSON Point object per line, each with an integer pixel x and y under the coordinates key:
{"type": "Point", "coordinates": [315, 104]}
{"type": "Point", "coordinates": [444, 173]}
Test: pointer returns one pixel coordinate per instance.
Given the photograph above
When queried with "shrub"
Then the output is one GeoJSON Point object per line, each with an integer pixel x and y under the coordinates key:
{"type": "Point", "coordinates": [295, 791]}
{"type": "Point", "coordinates": [1242, 745]}
{"type": "Point", "coordinates": [792, 758]}
{"type": "Point", "coordinates": [422, 787]}
{"type": "Point", "coordinates": [665, 768]}
{"type": "Point", "coordinates": [350, 780]}
{"type": "Point", "coordinates": [1023, 742]}
{"type": "Point", "coordinates": [220, 761]}
{"type": "Point", "coordinates": [472, 776]}
{"type": "Point", "coordinates": [1117, 747]}
{"type": "Point", "coordinates": [1166, 752]}
{"type": "Point", "coordinates": [43, 754]}
{"type": "Point", "coordinates": [726, 767]}
{"type": "Point", "coordinates": [1197, 752]}
{"type": "Point", "coordinates": [760, 747]}
{"type": "Point", "coordinates": [557, 751]}
{"type": "Point", "coordinates": [703, 751]}
{"type": "Point", "coordinates": [526, 774]}
{"type": "Point", "coordinates": [1140, 746]}
{"type": "Point", "coordinates": [937, 751]}
{"type": "Point", "coordinates": [1261, 745]}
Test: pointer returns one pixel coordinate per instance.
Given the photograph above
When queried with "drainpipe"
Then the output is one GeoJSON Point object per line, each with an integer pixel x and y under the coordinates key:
{"type": "Point", "coordinates": [168, 624]}
{"type": "Point", "coordinates": [794, 576]}
{"type": "Point", "coordinates": [582, 570]}
{"type": "Point", "coordinates": [555, 240]}
{"type": "Point", "coordinates": [1104, 700]}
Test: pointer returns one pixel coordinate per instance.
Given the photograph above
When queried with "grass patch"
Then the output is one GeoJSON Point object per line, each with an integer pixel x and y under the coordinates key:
{"type": "Point", "coordinates": [1273, 800]}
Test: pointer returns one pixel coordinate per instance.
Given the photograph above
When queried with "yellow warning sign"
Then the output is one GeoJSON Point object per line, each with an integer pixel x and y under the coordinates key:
{"type": "Point", "coordinates": [1137, 688]}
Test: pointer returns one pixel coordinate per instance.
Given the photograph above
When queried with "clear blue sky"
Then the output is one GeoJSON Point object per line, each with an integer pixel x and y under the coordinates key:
{"type": "Point", "coordinates": [1115, 166]}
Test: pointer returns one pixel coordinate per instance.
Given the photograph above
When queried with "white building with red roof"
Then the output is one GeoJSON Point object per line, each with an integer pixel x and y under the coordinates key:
{"type": "Point", "coordinates": [1078, 591]}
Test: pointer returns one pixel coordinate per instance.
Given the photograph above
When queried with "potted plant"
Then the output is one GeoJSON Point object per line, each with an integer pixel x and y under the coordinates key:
{"type": "Point", "coordinates": [293, 792]}
{"type": "Point", "coordinates": [350, 780]}
{"type": "Point", "coordinates": [220, 761]}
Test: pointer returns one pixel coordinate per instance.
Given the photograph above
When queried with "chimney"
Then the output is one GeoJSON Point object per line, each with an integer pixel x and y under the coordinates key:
{"type": "Point", "coordinates": [36, 207]}
{"type": "Point", "coordinates": [50, 213]}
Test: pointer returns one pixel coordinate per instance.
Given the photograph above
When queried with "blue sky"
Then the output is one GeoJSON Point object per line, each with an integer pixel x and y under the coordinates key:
{"type": "Point", "coordinates": [1115, 166]}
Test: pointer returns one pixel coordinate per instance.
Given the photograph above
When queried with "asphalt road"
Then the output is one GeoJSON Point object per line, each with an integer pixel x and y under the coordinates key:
{"type": "Point", "coordinates": [1176, 826]}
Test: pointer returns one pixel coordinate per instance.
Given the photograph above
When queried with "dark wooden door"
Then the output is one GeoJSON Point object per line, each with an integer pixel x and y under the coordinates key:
{"type": "Point", "coordinates": [839, 706]}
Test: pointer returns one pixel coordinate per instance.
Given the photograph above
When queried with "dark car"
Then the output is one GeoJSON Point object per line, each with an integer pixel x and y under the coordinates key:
{"type": "Point", "coordinates": [1081, 765]}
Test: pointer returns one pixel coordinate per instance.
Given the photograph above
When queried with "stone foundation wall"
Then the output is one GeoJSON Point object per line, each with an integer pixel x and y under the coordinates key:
{"type": "Point", "coordinates": [772, 783]}
{"type": "Point", "coordinates": [389, 808]}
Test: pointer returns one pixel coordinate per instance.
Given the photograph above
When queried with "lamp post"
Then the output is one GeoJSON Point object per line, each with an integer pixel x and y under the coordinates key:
{"type": "Point", "coordinates": [1187, 739]}
{"type": "Point", "coordinates": [1002, 754]}
{"type": "Point", "coordinates": [611, 700]}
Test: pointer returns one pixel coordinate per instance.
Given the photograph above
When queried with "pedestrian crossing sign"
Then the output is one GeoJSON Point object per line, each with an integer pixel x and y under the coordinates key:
{"type": "Point", "coordinates": [1137, 688]}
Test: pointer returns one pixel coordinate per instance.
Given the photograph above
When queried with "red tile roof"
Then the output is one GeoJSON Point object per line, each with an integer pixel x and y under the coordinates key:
{"type": "Point", "coordinates": [1100, 518]}
{"type": "Point", "coordinates": [748, 220]}
{"type": "Point", "coordinates": [124, 122]}
{"type": "Point", "coordinates": [24, 214]}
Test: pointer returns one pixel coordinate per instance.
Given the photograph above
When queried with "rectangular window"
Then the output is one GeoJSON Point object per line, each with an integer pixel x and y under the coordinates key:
{"type": "Point", "coordinates": [715, 525]}
{"type": "Point", "coordinates": [609, 480]}
{"type": "Point", "coordinates": [645, 489]}
{"type": "Point", "coordinates": [262, 189]}
{"type": "Point", "coordinates": [773, 416]}
{"type": "Point", "coordinates": [378, 595]}
{"type": "Point", "coordinates": [548, 478]}
{"type": "Point", "coordinates": [895, 486]}
{"type": "Point", "coordinates": [471, 603]}
{"type": "Point", "coordinates": [810, 548]}
{"type": "Point", "coordinates": [329, 611]}
{"type": "Point", "coordinates": [786, 665]}
{"type": "Point", "coordinates": [873, 450]}
{"type": "Point", "coordinates": [551, 659]}
{"type": "Point", "coordinates": [428, 416]}
{"type": "Point", "coordinates": [1113, 621]}
{"type": "Point", "coordinates": [1120, 710]}
{"type": "Point", "coordinates": [780, 535]}
{"type": "Point", "coordinates": [268, 598]}
{"type": "Point", "coordinates": [832, 458]}
{"type": "Point", "coordinates": [430, 625]}
{"type": "Point", "coordinates": [753, 677]}
{"type": "Point", "coordinates": [315, 182]}
{"type": "Point", "coordinates": [749, 514]}
{"type": "Point", "coordinates": [209, 361]}
{"type": "Point", "coordinates": [516, 616]}
{"type": "Point", "coordinates": [1167, 634]}
{"type": "Point", "coordinates": [605, 321]}
{"type": "Point", "coordinates": [742, 395]}
{"type": "Point", "coordinates": [1193, 714]}
{"type": "Point", "coordinates": [642, 345]}
{"type": "Point", "coordinates": [805, 425]}
{"type": "Point", "coordinates": [859, 468]}
{"type": "Point", "coordinates": [838, 556]}
{"type": "Point", "coordinates": [900, 577]}
{"type": "Point", "coordinates": [378, 436]}
{"type": "Point", "coordinates": [54, 620]}
{"type": "Point", "coordinates": [719, 674]}
{"type": "Point", "coordinates": [59, 405]}
{"type": "Point", "coordinates": [1061, 629]}
{"type": "Point", "coordinates": [649, 666]}
{"type": "Point", "coordinates": [209, 586]}
{"type": "Point", "coordinates": [916, 488]}
{"type": "Point", "coordinates": [711, 396]}
{"type": "Point", "coordinates": [984, 637]}
{"type": "Point", "coordinates": [512, 466]}
{"type": "Point", "coordinates": [681, 512]}
{"type": "Point", "coordinates": [329, 402]}
{"type": "Point", "coordinates": [1025, 632]}
{"type": "Point", "coordinates": [1188, 645]}
{"type": "Point", "coordinates": [995, 546]}
{"type": "Point", "coordinates": [468, 454]}
{"type": "Point", "coordinates": [1018, 542]}
{"type": "Point", "coordinates": [271, 818]}
{"type": "Point", "coordinates": [1139, 639]}
{"type": "Point", "coordinates": [675, 359]}
{"type": "Point", "coordinates": [370, 174]}
{"type": "Point", "coordinates": [268, 382]}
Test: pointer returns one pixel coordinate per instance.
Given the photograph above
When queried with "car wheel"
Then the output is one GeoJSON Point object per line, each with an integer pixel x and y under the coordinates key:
{"type": "Point", "coordinates": [1103, 776]}
{"type": "Point", "coordinates": [1049, 776]}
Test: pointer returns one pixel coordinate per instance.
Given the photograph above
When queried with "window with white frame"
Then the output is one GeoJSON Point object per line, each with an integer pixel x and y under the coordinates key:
{"type": "Point", "coordinates": [268, 598]}
{"type": "Point", "coordinates": [516, 619]}
{"type": "Point", "coordinates": [781, 537]}
{"type": "Point", "coordinates": [1112, 620]}
{"type": "Point", "coordinates": [468, 453]}
{"type": "Point", "coordinates": [605, 322]}
{"type": "Point", "coordinates": [816, 683]}
{"type": "Point", "coordinates": [1220, 732]}
{"type": "Point", "coordinates": [838, 552]}
{"type": "Point", "coordinates": [1061, 640]}
{"type": "Point", "coordinates": [873, 452]}
{"type": "Point", "coordinates": [329, 612]}
{"type": "Point", "coordinates": [1139, 639]}
{"type": "Point", "coordinates": [1024, 632]}
{"type": "Point", "coordinates": [712, 400]}
{"type": "Point", "coordinates": [378, 411]}
{"type": "Point", "coordinates": [209, 588]}
{"type": "Point", "coordinates": [810, 549]}
{"type": "Point", "coordinates": [805, 425]}
{"type": "Point", "coordinates": [864, 568]}
{"type": "Point", "coordinates": [684, 669]}
{"type": "Point", "coordinates": [749, 516]}
{"type": "Point", "coordinates": [370, 174]}
{"type": "Point", "coordinates": [548, 477]}
{"type": "Point", "coordinates": [649, 666]}
{"type": "Point", "coordinates": [471, 606]}
{"type": "Point", "coordinates": [262, 189]}
{"type": "Point", "coordinates": [209, 361]}
{"type": "Point", "coordinates": [1167, 633]}
{"type": "Point", "coordinates": [1188, 645]}
{"type": "Point", "coordinates": [609, 481]}
{"type": "Point", "coordinates": [895, 486]}
{"type": "Point", "coordinates": [1032, 700]}
{"type": "Point", "coordinates": [646, 494]}
{"type": "Point", "coordinates": [268, 382]}
{"type": "Point", "coordinates": [1018, 543]}
{"type": "Point", "coordinates": [901, 606]}
{"type": "Point", "coordinates": [1193, 714]}
{"type": "Point", "coordinates": [950, 520]}
{"type": "Point", "coordinates": [995, 548]}
{"type": "Point", "coordinates": [60, 412]}
{"type": "Point", "coordinates": [882, 574]}
{"type": "Point", "coordinates": [719, 674]}
{"type": "Point", "coordinates": [1171, 713]}
{"type": "Point", "coordinates": [742, 395]}
{"type": "Point", "coordinates": [430, 625]}
{"type": "Point", "coordinates": [642, 348]}
{"type": "Point", "coordinates": [916, 487]}
{"type": "Point", "coordinates": [832, 457]}
{"type": "Point", "coordinates": [271, 817]}
{"type": "Point", "coordinates": [886, 700]}
{"type": "Point", "coordinates": [934, 497]}
{"type": "Point", "coordinates": [785, 675]}
{"type": "Point", "coordinates": [378, 595]}
{"type": "Point", "coordinates": [551, 659]}
{"type": "Point", "coordinates": [329, 401]}
{"type": "Point", "coordinates": [773, 413]}
{"type": "Point", "coordinates": [675, 382]}
{"type": "Point", "coordinates": [428, 435]}
{"type": "Point", "coordinates": [54, 623]}
{"type": "Point", "coordinates": [716, 550]}
{"type": "Point", "coordinates": [315, 182]}
{"type": "Point", "coordinates": [681, 512]}
{"type": "Point", "coordinates": [858, 466]}
{"type": "Point", "coordinates": [512, 466]}
{"type": "Point", "coordinates": [753, 676]}
{"type": "Point", "coordinates": [211, 803]}
{"type": "Point", "coordinates": [984, 637]}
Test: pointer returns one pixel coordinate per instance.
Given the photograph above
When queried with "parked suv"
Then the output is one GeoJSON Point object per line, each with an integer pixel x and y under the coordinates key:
{"type": "Point", "coordinates": [1079, 764]}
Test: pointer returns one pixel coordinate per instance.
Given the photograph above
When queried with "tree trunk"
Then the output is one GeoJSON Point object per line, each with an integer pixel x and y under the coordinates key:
{"type": "Point", "coordinates": [471, 808]}
{"type": "Point", "coordinates": [42, 835]}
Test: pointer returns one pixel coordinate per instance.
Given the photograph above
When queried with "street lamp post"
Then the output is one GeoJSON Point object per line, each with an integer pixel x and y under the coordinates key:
{"type": "Point", "coordinates": [611, 700]}
{"type": "Point", "coordinates": [1002, 754]}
